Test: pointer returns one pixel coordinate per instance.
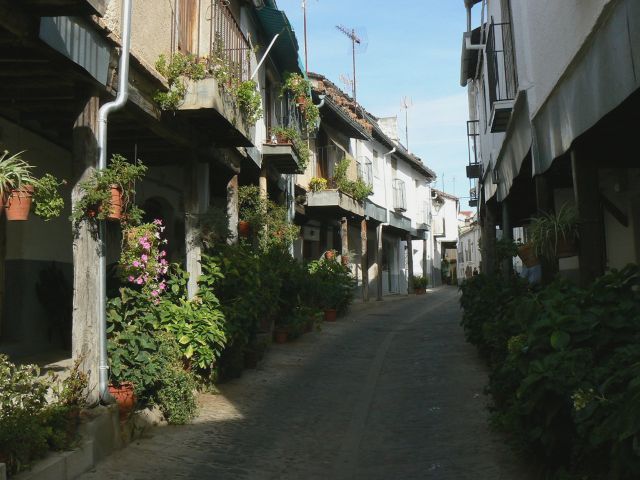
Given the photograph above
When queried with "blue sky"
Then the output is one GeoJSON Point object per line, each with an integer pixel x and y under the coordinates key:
{"type": "Point", "coordinates": [414, 51]}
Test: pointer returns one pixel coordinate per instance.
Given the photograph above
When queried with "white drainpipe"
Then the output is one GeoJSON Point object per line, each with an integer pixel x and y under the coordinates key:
{"type": "Point", "coordinates": [105, 110]}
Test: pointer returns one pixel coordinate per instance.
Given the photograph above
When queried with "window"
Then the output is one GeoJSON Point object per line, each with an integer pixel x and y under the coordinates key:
{"type": "Point", "coordinates": [186, 24]}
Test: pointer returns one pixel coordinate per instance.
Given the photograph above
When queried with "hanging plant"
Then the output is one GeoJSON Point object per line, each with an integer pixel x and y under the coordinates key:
{"type": "Point", "coordinates": [554, 234]}
{"type": "Point", "coordinates": [108, 194]}
{"type": "Point", "coordinates": [249, 101]}
{"type": "Point", "coordinates": [20, 190]}
{"type": "Point", "coordinates": [297, 85]}
{"type": "Point", "coordinates": [177, 70]}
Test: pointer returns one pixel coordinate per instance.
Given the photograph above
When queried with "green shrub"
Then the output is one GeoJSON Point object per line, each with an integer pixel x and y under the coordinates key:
{"type": "Point", "coordinates": [565, 379]}
{"type": "Point", "coordinates": [334, 284]}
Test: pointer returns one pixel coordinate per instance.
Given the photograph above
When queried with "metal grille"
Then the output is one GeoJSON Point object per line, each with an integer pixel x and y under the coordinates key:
{"type": "Point", "coordinates": [228, 45]}
{"type": "Point", "coordinates": [399, 195]}
{"type": "Point", "coordinates": [501, 70]}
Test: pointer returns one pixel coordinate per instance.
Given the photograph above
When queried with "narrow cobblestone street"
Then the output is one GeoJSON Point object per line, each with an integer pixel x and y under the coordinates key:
{"type": "Point", "coordinates": [390, 391]}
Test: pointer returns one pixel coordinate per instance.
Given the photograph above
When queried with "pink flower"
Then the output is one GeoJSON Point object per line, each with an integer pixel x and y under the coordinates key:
{"type": "Point", "coordinates": [155, 293]}
{"type": "Point", "coordinates": [163, 254]}
{"type": "Point", "coordinates": [163, 262]}
{"type": "Point", "coordinates": [136, 263]}
{"type": "Point", "coordinates": [143, 240]}
{"type": "Point", "coordinates": [131, 278]}
{"type": "Point", "coordinates": [144, 258]}
{"type": "Point", "coordinates": [162, 286]}
{"type": "Point", "coordinates": [139, 281]}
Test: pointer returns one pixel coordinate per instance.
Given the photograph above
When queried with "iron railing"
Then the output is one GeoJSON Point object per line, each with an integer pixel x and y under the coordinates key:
{"type": "Point", "coordinates": [365, 170]}
{"type": "Point", "coordinates": [501, 65]}
{"type": "Point", "coordinates": [399, 195]}
{"type": "Point", "coordinates": [228, 46]}
{"type": "Point", "coordinates": [474, 169]}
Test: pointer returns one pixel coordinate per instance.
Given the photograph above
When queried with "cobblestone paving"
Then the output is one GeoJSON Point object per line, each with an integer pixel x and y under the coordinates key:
{"type": "Point", "coordinates": [391, 391]}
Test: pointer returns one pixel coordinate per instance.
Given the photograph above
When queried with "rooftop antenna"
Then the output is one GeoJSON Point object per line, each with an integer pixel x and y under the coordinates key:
{"type": "Point", "coordinates": [347, 81]}
{"type": "Point", "coordinates": [357, 42]}
{"type": "Point", "coordinates": [306, 57]}
{"type": "Point", "coordinates": [407, 103]}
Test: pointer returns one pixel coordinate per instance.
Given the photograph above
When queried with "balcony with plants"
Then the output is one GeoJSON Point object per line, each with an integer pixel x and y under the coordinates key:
{"type": "Point", "coordinates": [217, 85]}
{"type": "Point", "coordinates": [287, 147]}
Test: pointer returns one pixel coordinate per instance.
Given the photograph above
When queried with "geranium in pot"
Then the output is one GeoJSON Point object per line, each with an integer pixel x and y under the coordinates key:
{"type": "Point", "coordinates": [297, 86]}
{"type": "Point", "coordinates": [20, 190]}
{"type": "Point", "coordinates": [285, 135]}
{"type": "Point", "coordinates": [108, 194]}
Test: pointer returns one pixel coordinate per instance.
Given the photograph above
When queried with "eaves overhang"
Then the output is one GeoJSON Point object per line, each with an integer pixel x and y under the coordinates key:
{"type": "Point", "coordinates": [333, 114]}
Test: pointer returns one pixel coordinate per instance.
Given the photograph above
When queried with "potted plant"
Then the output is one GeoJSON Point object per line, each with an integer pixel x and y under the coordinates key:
{"type": "Point", "coordinates": [108, 193]}
{"type": "Point", "coordinates": [317, 184]}
{"type": "Point", "coordinates": [285, 135]}
{"type": "Point", "coordinates": [555, 234]}
{"type": "Point", "coordinates": [124, 394]}
{"type": "Point", "coordinates": [527, 254]}
{"type": "Point", "coordinates": [20, 189]}
{"type": "Point", "coordinates": [296, 84]}
{"type": "Point", "coordinates": [420, 284]}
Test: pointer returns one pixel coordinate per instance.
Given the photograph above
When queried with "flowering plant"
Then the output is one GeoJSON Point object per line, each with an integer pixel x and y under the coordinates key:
{"type": "Point", "coordinates": [143, 259]}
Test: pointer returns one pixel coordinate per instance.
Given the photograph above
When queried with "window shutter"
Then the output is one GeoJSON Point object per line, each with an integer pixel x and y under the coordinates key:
{"type": "Point", "coordinates": [186, 25]}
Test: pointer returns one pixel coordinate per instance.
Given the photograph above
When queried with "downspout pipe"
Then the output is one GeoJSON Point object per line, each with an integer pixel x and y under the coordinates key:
{"type": "Point", "coordinates": [103, 116]}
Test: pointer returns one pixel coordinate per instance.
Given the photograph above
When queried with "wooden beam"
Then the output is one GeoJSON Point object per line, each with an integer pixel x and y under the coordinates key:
{"type": "Point", "coordinates": [379, 261]}
{"type": "Point", "coordinates": [344, 237]}
{"type": "Point", "coordinates": [364, 261]}
{"type": "Point", "coordinates": [409, 263]}
{"type": "Point", "coordinates": [85, 251]}
{"type": "Point", "coordinates": [587, 196]}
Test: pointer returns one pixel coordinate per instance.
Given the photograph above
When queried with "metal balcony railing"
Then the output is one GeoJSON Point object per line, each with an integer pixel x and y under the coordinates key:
{"type": "Point", "coordinates": [474, 169]}
{"type": "Point", "coordinates": [365, 170]}
{"type": "Point", "coordinates": [501, 66]}
{"type": "Point", "coordinates": [229, 49]}
{"type": "Point", "coordinates": [399, 195]}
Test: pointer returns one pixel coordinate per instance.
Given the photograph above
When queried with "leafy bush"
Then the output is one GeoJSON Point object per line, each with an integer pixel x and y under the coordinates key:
{"type": "Point", "coordinates": [420, 282]}
{"type": "Point", "coordinates": [47, 201]}
{"type": "Point", "coordinates": [565, 370]}
{"type": "Point", "coordinates": [334, 284]}
{"type": "Point", "coordinates": [357, 189]}
{"type": "Point", "coordinates": [176, 70]}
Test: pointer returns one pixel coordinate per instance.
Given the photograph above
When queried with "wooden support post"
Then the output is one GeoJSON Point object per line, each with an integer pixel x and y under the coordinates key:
{"type": "Point", "coordinates": [488, 220]}
{"type": "Point", "coordinates": [3, 256]}
{"type": "Point", "coordinates": [86, 282]}
{"type": "Point", "coordinates": [587, 194]}
{"type": "Point", "coordinates": [635, 221]}
{"type": "Point", "coordinates": [424, 258]}
{"type": "Point", "coordinates": [364, 261]}
{"type": "Point", "coordinates": [264, 193]}
{"type": "Point", "coordinates": [344, 236]}
{"type": "Point", "coordinates": [379, 262]}
{"type": "Point", "coordinates": [196, 189]}
{"type": "Point", "coordinates": [232, 209]}
{"type": "Point", "coordinates": [545, 204]}
{"type": "Point", "coordinates": [409, 264]}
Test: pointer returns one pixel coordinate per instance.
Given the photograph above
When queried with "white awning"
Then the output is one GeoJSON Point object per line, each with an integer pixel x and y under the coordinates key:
{"type": "Point", "coordinates": [604, 73]}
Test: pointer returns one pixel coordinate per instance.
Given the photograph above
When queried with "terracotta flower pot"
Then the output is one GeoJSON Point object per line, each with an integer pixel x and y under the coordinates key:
{"type": "Point", "coordinates": [125, 398]}
{"type": "Point", "coordinates": [420, 291]}
{"type": "Point", "coordinates": [282, 139]}
{"type": "Point", "coordinates": [330, 315]}
{"type": "Point", "coordinates": [244, 229]}
{"type": "Point", "coordinates": [329, 254]}
{"type": "Point", "coordinates": [566, 248]}
{"type": "Point", "coordinates": [528, 255]}
{"type": "Point", "coordinates": [115, 212]}
{"type": "Point", "coordinates": [18, 203]}
{"type": "Point", "coordinates": [280, 336]}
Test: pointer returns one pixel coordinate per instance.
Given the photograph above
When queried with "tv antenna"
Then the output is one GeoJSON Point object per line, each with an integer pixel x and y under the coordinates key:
{"type": "Point", "coordinates": [347, 81]}
{"type": "Point", "coordinates": [358, 43]}
{"type": "Point", "coordinates": [406, 104]}
{"type": "Point", "coordinates": [306, 56]}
